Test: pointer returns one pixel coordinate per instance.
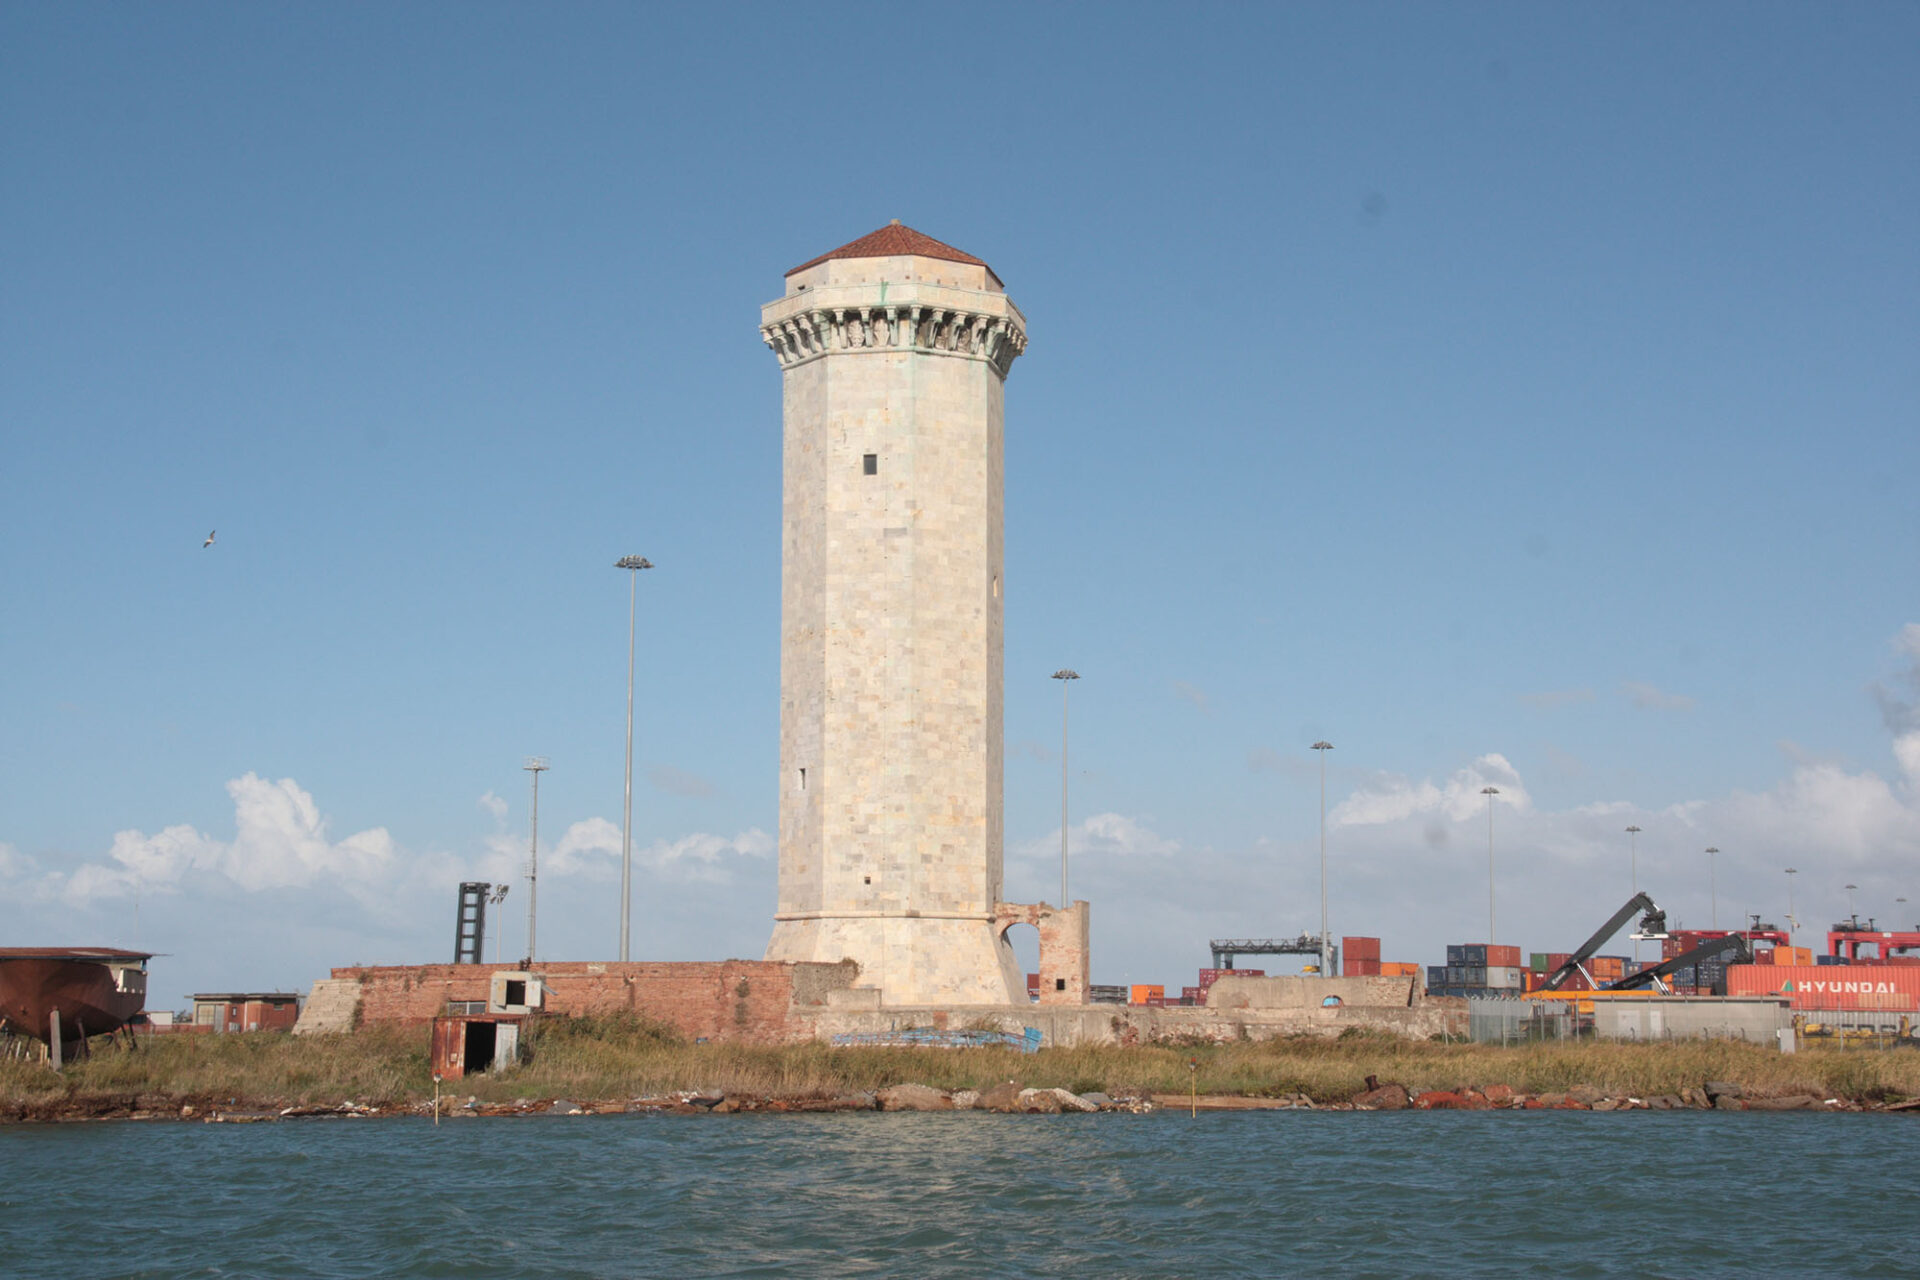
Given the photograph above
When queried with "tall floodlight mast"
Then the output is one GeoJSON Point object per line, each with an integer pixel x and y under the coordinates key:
{"type": "Point", "coordinates": [1490, 793]}
{"type": "Point", "coordinates": [535, 765]}
{"type": "Point", "coordinates": [634, 564]}
{"type": "Point", "coordinates": [1326, 959]}
{"type": "Point", "coordinates": [1066, 677]}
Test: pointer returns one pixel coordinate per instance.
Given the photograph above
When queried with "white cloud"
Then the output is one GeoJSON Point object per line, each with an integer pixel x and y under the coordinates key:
{"type": "Point", "coordinates": [14, 864]}
{"type": "Point", "coordinates": [708, 858]}
{"type": "Point", "coordinates": [1392, 798]}
{"type": "Point", "coordinates": [1195, 694]}
{"type": "Point", "coordinates": [1103, 835]}
{"type": "Point", "coordinates": [590, 847]}
{"type": "Point", "coordinates": [1650, 698]}
{"type": "Point", "coordinates": [282, 841]}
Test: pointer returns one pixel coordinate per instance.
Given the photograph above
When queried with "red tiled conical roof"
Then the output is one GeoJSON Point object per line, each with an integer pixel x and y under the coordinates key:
{"type": "Point", "coordinates": [893, 241]}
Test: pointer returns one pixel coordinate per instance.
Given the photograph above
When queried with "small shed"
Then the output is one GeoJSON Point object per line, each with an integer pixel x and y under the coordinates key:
{"type": "Point", "coordinates": [471, 1044]}
{"type": "Point", "coordinates": [246, 1010]}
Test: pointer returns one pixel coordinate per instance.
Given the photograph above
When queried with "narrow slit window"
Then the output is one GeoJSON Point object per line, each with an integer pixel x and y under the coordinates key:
{"type": "Point", "coordinates": [870, 464]}
{"type": "Point", "coordinates": [996, 586]}
{"type": "Point", "coordinates": [803, 779]}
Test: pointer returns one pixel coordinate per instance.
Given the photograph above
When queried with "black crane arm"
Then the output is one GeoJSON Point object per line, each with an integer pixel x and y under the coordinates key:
{"type": "Point", "coordinates": [1653, 924]}
{"type": "Point", "coordinates": [1733, 948]}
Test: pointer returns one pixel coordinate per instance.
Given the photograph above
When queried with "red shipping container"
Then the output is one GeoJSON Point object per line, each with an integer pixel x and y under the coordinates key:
{"type": "Point", "coordinates": [1360, 948]}
{"type": "Point", "coordinates": [1503, 956]}
{"type": "Point", "coordinates": [1357, 968]}
{"type": "Point", "coordinates": [1871, 987]}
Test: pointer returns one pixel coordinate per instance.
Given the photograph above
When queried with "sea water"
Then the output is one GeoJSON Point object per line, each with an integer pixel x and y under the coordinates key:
{"type": "Point", "coordinates": [1299, 1193]}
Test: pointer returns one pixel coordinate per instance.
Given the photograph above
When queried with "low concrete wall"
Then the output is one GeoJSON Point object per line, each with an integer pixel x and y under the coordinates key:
{"type": "Point", "coordinates": [1758, 1019]}
{"type": "Point", "coordinates": [1063, 1025]}
{"type": "Point", "coordinates": [1313, 993]}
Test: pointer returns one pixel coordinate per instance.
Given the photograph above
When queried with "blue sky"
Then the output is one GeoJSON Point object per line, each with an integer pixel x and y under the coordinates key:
{"type": "Point", "coordinates": [1506, 393]}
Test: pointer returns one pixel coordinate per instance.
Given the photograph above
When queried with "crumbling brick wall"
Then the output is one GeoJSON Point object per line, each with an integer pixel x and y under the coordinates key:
{"type": "Point", "coordinates": [748, 1001]}
{"type": "Point", "coordinates": [1065, 963]}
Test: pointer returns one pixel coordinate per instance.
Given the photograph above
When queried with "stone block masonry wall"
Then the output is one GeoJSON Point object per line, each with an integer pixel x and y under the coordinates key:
{"type": "Point", "coordinates": [745, 1001]}
{"type": "Point", "coordinates": [892, 614]}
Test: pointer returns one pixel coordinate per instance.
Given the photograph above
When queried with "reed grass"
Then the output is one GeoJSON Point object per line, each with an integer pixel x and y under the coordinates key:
{"type": "Point", "coordinates": [624, 1056]}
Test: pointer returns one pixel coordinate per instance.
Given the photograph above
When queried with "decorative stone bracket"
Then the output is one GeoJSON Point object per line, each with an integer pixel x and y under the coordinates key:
{"type": "Point", "coordinates": [998, 340]}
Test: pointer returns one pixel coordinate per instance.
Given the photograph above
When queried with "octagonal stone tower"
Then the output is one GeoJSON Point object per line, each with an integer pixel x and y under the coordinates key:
{"type": "Point", "coordinates": [893, 352]}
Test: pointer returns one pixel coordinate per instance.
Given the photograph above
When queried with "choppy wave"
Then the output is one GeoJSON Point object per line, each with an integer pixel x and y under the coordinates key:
{"type": "Point", "coordinates": [1227, 1194]}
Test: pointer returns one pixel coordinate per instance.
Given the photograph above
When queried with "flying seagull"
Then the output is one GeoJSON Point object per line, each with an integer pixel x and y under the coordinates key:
{"type": "Point", "coordinates": [209, 541]}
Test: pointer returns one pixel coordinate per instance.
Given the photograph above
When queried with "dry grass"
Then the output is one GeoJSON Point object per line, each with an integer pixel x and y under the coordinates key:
{"type": "Point", "coordinates": [618, 1057]}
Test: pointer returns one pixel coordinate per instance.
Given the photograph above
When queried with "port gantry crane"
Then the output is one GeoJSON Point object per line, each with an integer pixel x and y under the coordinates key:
{"type": "Point", "coordinates": [1226, 949]}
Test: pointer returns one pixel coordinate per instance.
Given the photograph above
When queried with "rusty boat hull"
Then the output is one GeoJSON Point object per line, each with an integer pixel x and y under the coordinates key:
{"type": "Point", "coordinates": [96, 990]}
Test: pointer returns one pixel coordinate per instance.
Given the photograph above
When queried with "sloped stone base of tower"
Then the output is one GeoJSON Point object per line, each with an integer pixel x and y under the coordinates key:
{"type": "Point", "coordinates": [910, 960]}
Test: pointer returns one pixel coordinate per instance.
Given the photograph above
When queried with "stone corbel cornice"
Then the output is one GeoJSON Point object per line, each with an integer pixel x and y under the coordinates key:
{"type": "Point", "coordinates": [948, 331]}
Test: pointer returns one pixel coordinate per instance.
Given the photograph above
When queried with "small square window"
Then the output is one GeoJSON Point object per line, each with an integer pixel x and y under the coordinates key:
{"type": "Point", "coordinates": [870, 464]}
{"type": "Point", "coordinates": [1059, 984]}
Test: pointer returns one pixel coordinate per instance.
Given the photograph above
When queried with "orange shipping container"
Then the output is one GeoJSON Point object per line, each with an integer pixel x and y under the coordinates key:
{"type": "Point", "coordinates": [1143, 992]}
{"type": "Point", "coordinates": [1889, 988]}
{"type": "Point", "coordinates": [1398, 969]}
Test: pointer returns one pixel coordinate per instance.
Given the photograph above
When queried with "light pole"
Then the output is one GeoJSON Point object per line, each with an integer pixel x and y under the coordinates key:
{"type": "Point", "coordinates": [1713, 887]}
{"type": "Point", "coordinates": [1065, 676]}
{"type": "Point", "coordinates": [1490, 793]}
{"type": "Point", "coordinates": [535, 765]}
{"type": "Point", "coordinates": [633, 564]}
{"type": "Point", "coordinates": [1633, 866]}
{"type": "Point", "coordinates": [1325, 957]}
{"type": "Point", "coordinates": [1851, 913]}
{"type": "Point", "coordinates": [1792, 924]}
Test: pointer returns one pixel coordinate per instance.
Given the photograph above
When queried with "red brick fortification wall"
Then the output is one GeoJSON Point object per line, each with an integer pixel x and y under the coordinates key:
{"type": "Point", "coordinates": [750, 1001]}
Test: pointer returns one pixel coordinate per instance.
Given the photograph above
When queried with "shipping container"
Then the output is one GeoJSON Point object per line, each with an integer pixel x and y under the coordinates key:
{"type": "Point", "coordinates": [1537, 962]}
{"type": "Point", "coordinates": [1360, 948]}
{"type": "Point", "coordinates": [1398, 969]}
{"type": "Point", "coordinates": [1193, 994]}
{"type": "Point", "coordinates": [1467, 953]}
{"type": "Point", "coordinates": [1508, 957]}
{"type": "Point", "coordinates": [1436, 975]}
{"type": "Point", "coordinates": [1888, 988]}
{"type": "Point", "coordinates": [1142, 992]}
{"type": "Point", "coordinates": [1503, 976]}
